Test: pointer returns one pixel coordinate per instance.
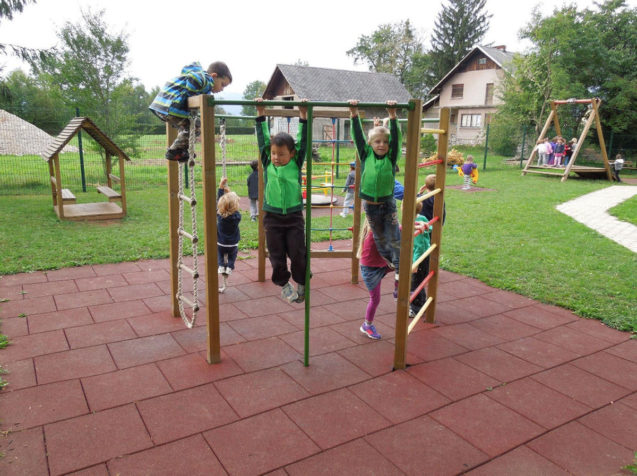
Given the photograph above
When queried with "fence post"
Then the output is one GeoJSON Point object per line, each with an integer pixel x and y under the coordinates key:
{"type": "Point", "coordinates": [79, 143]}
{"type": "Point", "coordinates": [486, 147]}
{"type": "Point", "coordinates": [523, 140]}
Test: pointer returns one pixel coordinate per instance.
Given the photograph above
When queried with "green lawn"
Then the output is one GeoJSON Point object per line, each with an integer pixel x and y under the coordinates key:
{"type": "Point", "coordinates": [509, 236]}
{"type": "Point", "coordinates": [626, 211]}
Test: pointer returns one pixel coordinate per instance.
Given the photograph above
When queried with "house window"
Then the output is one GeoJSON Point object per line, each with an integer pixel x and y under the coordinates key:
{"type": "Point", "coordinates": [488, 99]}
{"type": "Point", "coordinates": [288, 98]}
{"type": "Point", "coordinates": [482, 61]}
{"type": "Point", "coordinates": [470, 120]}
{"type": "Point", "coordinates": [457, 91]}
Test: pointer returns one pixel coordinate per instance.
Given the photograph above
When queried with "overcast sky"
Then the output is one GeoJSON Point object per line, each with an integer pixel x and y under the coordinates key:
{"type": "Point", "coordinates": [250, 36]}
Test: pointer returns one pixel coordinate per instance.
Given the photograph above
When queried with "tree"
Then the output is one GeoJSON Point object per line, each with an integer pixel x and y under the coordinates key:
{"type": "Point", "coordinates": [458, 27]}
{"type": "Point", "coordinates": [394, 49]}
{"type": "Point", "coordinates": [7, 9]}
{"type": "Point", "coordinates": [253, 90]}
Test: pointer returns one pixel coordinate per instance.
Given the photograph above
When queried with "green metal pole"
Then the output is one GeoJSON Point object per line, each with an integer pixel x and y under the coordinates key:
{"type": "Point", "coordinates": [79, 143]}
{"type": "Point", "coordinates": [486, 147]}
{"type": "Point", "coordinates": [308, 231]}
{"type": "Point", "coordinates": [522, 150]}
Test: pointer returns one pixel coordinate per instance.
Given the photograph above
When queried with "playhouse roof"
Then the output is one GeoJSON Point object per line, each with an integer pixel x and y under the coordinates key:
{"type": "Point", "coordinates": [75, 125]}
{"type": "Point", "coordinates": [325, 84]}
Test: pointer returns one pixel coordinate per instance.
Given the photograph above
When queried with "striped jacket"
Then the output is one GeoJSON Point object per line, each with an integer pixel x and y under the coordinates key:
{"type": "Point", "coordinates": [173, 98]}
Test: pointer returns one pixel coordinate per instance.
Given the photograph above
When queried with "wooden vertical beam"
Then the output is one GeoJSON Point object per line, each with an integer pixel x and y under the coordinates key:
{"type": "Point", "coordinates": [439, 211]}
{"type": "Point", "coordinates": [58, 185]}
{"type": "Point", "coordinates": [547, 124]}
{"type": "Point", "coordinates": [53, 186]}
{"type": "Point", "coordinates": [173, 220]}
{"type": "Point", "coordinates": [580, 142]}
{"type": "Point", "coordinates": [407, 234]}
{"type": "Point", "coordinates": [556, 120]}
{"type": "Point", "coordinates": [210, 227]}
{"type": "Point", "coordinates": [600, 134]}
{"type": "Point", "coordinates": [109, 169]}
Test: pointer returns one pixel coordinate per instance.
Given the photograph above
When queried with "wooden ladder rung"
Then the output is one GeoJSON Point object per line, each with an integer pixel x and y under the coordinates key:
{"type": "Point", "coordinates": [189, 271]}
{"type": "Point", "coordinates": [115, 178]}
{"type": "Point", "coordinates": [191, 201]}
{"type": "Point", "coordinates": [433, 131]}
{"type": "Point", "coordinates": [192, 238]}
{"type": "Point", "coordinates": [188, 302]}
{"type": "Point", "coordinates": [109, 192]}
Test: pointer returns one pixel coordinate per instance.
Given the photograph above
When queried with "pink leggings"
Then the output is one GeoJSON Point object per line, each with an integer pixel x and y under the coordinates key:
{"type": "Point", "coordinates": [374, 301]}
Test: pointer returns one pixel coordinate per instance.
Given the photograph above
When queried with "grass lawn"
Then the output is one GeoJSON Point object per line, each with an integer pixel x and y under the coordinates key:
{"type": "Point", "coordinates": [508, 235]}
{"type": "Point", "coordinates": [626, 211]}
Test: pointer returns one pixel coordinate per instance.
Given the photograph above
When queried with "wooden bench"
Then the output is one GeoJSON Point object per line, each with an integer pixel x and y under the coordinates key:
{"type": "Point", "coordinates": [109, 192]}
{"type": "Point", "coordinates": [67, 196]}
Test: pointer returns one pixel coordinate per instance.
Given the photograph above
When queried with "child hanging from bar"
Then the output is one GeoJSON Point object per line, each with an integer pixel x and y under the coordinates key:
{"type": "Point", "coordinates": [228, 235]}
{"type": "Point", "coordinates": [378, 156]}
{"type": "Point", "coordinates": [282, 160]}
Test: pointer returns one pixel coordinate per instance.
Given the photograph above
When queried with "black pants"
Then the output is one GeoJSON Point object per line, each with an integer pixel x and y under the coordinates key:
{"type": "Point", "coordinates": [616, 175]}
{"type": "Point", "coordinates": [416, 279]}
{"type": "Point", "coordinates": [285, 237]}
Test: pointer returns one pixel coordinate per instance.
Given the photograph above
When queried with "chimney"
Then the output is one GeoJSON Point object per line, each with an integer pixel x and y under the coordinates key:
{"type": "Point", "coordinates": [501, 47]}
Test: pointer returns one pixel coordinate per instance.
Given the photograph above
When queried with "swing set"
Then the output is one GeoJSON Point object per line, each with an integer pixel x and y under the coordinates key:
{"type": "Point", "coordinates": [186, 304]}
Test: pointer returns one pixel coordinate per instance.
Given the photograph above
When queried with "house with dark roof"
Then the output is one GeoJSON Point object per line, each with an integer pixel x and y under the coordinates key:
{"type": "Point", "coordinates": [469, 90]}
{"type": "Point", "coordinates": [293, 83]}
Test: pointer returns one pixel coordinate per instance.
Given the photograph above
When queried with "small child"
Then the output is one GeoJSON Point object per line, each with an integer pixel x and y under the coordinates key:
{"type": "Point", "coordinates": [558, 152]}
{"type": "Point", "coordinates": [422, 242]}
{"type": "Point", "coordinates": [349, 190]}
{"type": "Point", "coordinates": [617, 166]}
{"type": "Point", "coordinates": [378, 156]}
{"type": "Point", "coordinates": [171, 104]}
{"type": "Point", "coordinates": [228, 218]}
{"type": "Point", "coordinates": [373, 269]}
{"type": "Point", "coordinates": [467, 170]}
{"type": "Point", "coordinates": [569, 150]}
{"type": "Point", "coordinates": [542, 155]}
{"type": "Point", "coordinates": [428, 203]}
{"type": "Point", "coordinates": [253, 190]}
{"type": "Point", "coordinates": [283, 220]}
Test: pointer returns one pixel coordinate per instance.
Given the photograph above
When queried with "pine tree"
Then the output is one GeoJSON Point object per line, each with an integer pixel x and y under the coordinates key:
{"type": "Point", "coordinates": [460, 26]}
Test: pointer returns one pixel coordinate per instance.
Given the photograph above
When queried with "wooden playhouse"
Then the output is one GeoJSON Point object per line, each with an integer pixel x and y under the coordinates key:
{"type": "Point", "coordinates": [64, 201]}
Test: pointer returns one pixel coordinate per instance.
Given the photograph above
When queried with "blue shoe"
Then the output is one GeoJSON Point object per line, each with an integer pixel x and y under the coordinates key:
{"type": "Point", "coordinates": [300, 291]}
{"type": "Point", "coordinates": [288, 293]}
{"type": "Point", "coordinates": [370, 331]}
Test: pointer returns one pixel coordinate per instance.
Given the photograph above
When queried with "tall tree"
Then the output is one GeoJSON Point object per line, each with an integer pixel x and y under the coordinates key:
{"type": "Point", "coordinates": [460, 26]}
{"type": "Point", "coordinates": [252, 90]}
{"type": "Point", "coordinates": [395, 49]}
{"type": "Point", "coordinates": [7, 9]}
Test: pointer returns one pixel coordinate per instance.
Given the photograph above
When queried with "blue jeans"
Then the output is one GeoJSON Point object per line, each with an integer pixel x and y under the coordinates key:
{"type": "Point", "coordinates": [383, 222]}
{"type": "Point", "coordinates": [227, 255]}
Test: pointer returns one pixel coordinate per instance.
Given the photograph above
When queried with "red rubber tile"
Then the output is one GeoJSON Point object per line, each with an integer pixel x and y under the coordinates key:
{"type": "Point", "coordinates": [188, 456]}
{"type": "Point", "coordinates": [97, 470]}
{"type": "Point", "coordinates": [155, 323]}
{"type": "Point", "coordinates": [573, 340]}
{"type": "Point", "coordinates": [70, 273]}
{"type": "Point", "coordinates": [12, 293]}
{"type": "Point", "coordinates": [124, 386]}
{"type": "Point", "coordinates": [24, 347]}
{"type": "Point", "coordinates": [581, 385]}
{"type": "Point", "coordinates": [398, 396]}
{"type": "Point", "coordinates": [15, 327]}
{"type": "Point", "coordinates": [49, 288]}
{"type": "Point", "coordinates": [539, 403]}
{"type": "Point", "coordinates": [358, 456]}
{"type": "Point", "coordinates": [350, 310]}
{"type": "Point", "coordinates": [23, 278]}
{"type": "Point", "coordinates": [540, 316]}
{"type": "Point", "coordinates": [508, 298]}
{"type": "Point", "coordinates": [260, 391]}
{"type": "Point", "coordinates": [26, 307]}
{"type": "Point", "coordinates": [504, 327]}
{"type": "Point", "coordinates": [264, 306]}
{"type": "Point", "coordinates": [20, 374]}
{"type": "Point", "coordinates": [144, 350]}
{"type": "Point", "coordinates": [452, 378]}
{"type": "Point", "coordinates": [320, 317]}
{"type": "Point", "coordinates": [101, 282]}
{"type": "Point", "coordinates": [193, 369]}
{"type": "Point", "coordinates": [486, 424]}
{"type": "Point", "coordinates": [257, 289]}
{"type": "Point", "coordinates": [616, 422]}
{"type": "Point", "coordinates": [344, 292]}
{"type": "Point", "coordinates": [51, 321]}
{"type": "Point", "coordinates": [135, 292]}
{"type": "Point", "coordinates": [23, 453]}
{"type": "Point", "coordinates": [81, 299]}
{"type": "Point", "coordinates": [322, 341]}
{"type": "Point", "coordinates": [114, 268]}
{"type": "Point", "coordinates": [587, 452]}
{"type": "Point", "coordinates": [262, 354]}
{"type": "Point", "coordinates": [118, 310]}
{"type": "Point", "coordinates": [260, 444]}
{"type": "Point", "coordinates": [626, 350]}
{"type": "Point", "coordinates": [598, 329]}
{"type": "Point", "coordinates": [539, 352]}
{"type": "Point", "coordinates": [467, 336]}
{"type": "Point", "coordinates": [147, 276]}
{"type": "Point", "coordinates": [374, 358]}
{"type": "Point", "coordinates": [480, 306]}
{"type": "Point", "coordinates": [498, 364]}
{"type": "Point", "coordinates": [448, 313]}
{"type": "Point", "coordinates": [630, 400]}
{"type": "Point", "coordinates": [185, 413]}
{"type": "Point", "coordinates": [520, 461]}
{"type": "Point", "coordinates": [423, 446]}
{"type": "Point", "coordinates": [73, 364]}
{"type": "Point", "coordinates": [36, 406]}
{"type": "Point", "coordinates": [95, 438]}
{"type": "Point", "coordinates": [610, 367]}
{"type": "Point", "coordinates": [325, 373]}
{"type": "Point", "coordinates": [334, 418]}
{"type": "Point", "coordinates": [428, 345]}
{"type": "Point", "coordinates": [101, 333]}
{"type": "Point", "coordinates": [262, 327]}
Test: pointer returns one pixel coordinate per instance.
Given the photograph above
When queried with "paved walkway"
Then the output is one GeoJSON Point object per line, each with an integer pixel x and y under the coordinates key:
{"type": "Point", "coordinates": [592, 210]}
{"type": "Point", "coordinates": [103, 380]}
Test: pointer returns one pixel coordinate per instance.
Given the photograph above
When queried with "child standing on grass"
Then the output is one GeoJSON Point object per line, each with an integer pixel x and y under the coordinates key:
{"type": "Point", "coordinates": [349, 189]}
{"type": "Point", "coordinates": [253, 190]}
{"type": "Point", "coordinates": [171, 104]}
{"type": "Point", "coordinates": [373, 269]}
{"type": "Point", "coordinates": [228, 218]}
{"type": "Point", "coordinates": [378, 156]}
{"type": "Point", "coordinates": [282, 161]}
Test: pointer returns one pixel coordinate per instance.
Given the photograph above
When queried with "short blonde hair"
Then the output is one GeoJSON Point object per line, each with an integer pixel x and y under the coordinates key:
{"type": "Point", "coordinates": [430, 181]}
{"type": "Point", "coordinates": [228, 204]}
{"type": "Point", "coordinates": [377, 131]}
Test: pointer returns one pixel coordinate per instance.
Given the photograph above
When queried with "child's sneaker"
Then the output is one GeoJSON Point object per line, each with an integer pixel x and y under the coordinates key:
{"type": "Point", "coordinates": [412, 313]}
{"type": "Point", "coordinates": [370, 331]}
{"type": "Point", "coordinates": [228, 271]}
{"type": "Point", "coordinates": [300, 290]}
{"type": "Point", "coordinates": [180, 155]}
{"type": "Point", "coordinates": [288, 293]}
{"type": "Point", "coordinates": [221, 270]}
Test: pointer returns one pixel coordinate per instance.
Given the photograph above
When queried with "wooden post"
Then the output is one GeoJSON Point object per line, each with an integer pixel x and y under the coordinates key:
{"type": "Point", "coordinates": [53, 185]}
{"type": "Point", "coordinates": [580, 142]}
{"type": "Point", "coordinates": [602, 143]}
{"type": "Point", "coordinates": [556, 120]}
{"type": "Point", "coordinates": [439, 211]}
{"type": "Point", "coordinates": [407, 234]}
{"type": "Point", "coordinates": [547, 124]}
{"type": "Point", "coordinates": [210, 227]}
{"type": "Point", "coordinates": [58, 185]}
{"type": "Point", "coordinates": [173, 220]}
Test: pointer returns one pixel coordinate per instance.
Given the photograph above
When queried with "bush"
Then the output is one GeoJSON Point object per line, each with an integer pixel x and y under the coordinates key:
{"type": "Point", "coordinates": [504, 138]}
{"type": "Point", "coordinates": [427, 144]}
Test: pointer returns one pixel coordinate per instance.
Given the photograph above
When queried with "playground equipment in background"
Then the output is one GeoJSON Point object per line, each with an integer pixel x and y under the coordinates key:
{"type": "Point", "coordinates": [64, 201]}
{"type": "Point", "coordinates": [581, 170]}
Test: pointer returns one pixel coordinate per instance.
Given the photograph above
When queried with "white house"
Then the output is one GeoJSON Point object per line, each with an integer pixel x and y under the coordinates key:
{"type": "Point", "coordinates": [469, 91]}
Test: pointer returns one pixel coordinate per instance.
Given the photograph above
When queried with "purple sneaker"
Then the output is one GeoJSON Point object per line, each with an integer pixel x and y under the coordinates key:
{"type": "Point", "coordinates": [370, 331]}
